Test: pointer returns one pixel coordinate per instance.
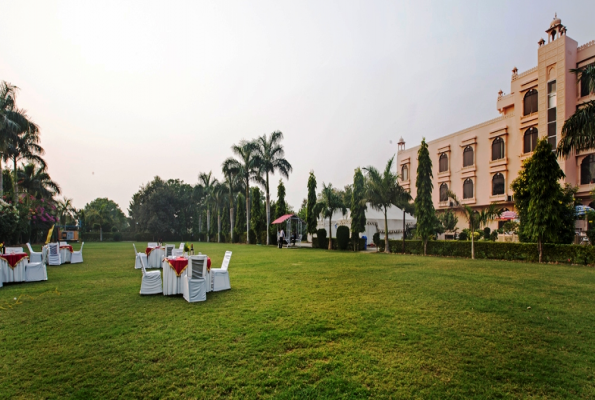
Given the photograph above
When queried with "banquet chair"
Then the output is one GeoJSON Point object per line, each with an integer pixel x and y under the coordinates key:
{"type": "Point", "coordinates": [13, 250]}
{"type": "Point", "coordinates": [152, 244]}
{"type": "Point", "coordinates": [151, 283]}
{"type": "Point", "coordinates": [77, 256]}
{"type": "Point", "coordinates": [169, 249]}
{"type": "Point", "coordinates": [54, 254]}
{"type": "Point", "coordinates": [33, 255]}
{"type": "Point", "coordinates": [194, 283]}
{"type": "Point", "coordinates": [220, 276]}
{"type": "Point", "coordinates": [181, 246]}
{"type": "Point", "coordinates": [138, 256]}
{"type": "Point", "coordinates": [36, 271]}
{"type": "Point", "coordinates": [177, 252]}
{"type": "Point", "coordinates": [63, 243]}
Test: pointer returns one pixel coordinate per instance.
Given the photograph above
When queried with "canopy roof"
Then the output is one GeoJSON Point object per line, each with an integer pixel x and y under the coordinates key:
{"type": "Point", "coordinates": [285, 218]}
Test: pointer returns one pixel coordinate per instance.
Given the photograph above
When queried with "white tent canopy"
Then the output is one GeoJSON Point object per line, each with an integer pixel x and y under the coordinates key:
{"type": "Point", "coordinates": [374, 222]}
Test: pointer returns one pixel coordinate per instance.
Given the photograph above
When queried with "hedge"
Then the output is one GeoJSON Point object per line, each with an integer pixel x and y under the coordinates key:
{"type": "Point", "coordinates": [362, 242]}
{"type": "Point", "coordinates": [554, 253]}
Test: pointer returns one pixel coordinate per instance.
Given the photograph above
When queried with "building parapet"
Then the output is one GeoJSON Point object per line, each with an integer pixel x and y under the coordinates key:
{"type": "Point", "coordinates": [523, 74]}
{"type": "Point", "coordinates": [586, 45]}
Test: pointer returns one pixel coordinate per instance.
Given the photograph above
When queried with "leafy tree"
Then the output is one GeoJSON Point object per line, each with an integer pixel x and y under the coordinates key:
{"type": "Point", "coordinates": [358, 206]}
{"type": "Point", "coordinates": [542, 200]}
{"type": "Point", "coordinates": [449, 221]}
{"type": "Point", "coordinates": [311, 214]}
{"type": "Point", "coordinates": [328, 202]}
{"type": "Point", "coordinates": [245, 166]}
{"type": "Point", "coordinates": [270, 156]}
{"type": "Point", "coordinates": [233, 185]}
{"type": "Point", "coordinates": [281, 205]}
{"type": "Point", "coordinates": [256, 217]}
{"type": "Point", "coordinates": [65, 210]}
{"type": "Point", "coordinates": [36, 181]}
{"type": "Point", "coordinates": [578, 131]}
{"type": "Point", "coordinates": [10, 122]}
{"type": "Point", "coordinates": [105, 213]}
{"type": "Point", "coordinates": [424, 206]}
{"type": "Point", "coordinates": [240, 223]}
{"type": "Point", "coordinates": [218, 196]}
{"type": "Point", "coordinates": [208, 184]}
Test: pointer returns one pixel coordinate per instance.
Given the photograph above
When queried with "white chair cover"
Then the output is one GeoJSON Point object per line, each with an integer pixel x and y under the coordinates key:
{"type": "Point", "coordinates": [155, 258]}
{"type": "Point", "coordinates": [181, 246]}
{"type": "Point", "coordinates": [33, 255]}
{"type": "Point", "coordinates": [194, 283]}
{"type": "Point", "coordinates": [77, 256]}
{"type": "Point", "coordinates": [35, 272]}
{"type": "Point", "coordinates": [137, 255]}
{"type": "Point", "coordinates": [220, 276]}
{"type": "Point", "coordinates": [65, 256]}
{"type": "Point", "coordinates": [16, 274]}
{"type": "Point", "coordinates": [13, 250]}
{"type": "Point", "coordinates": [63, 243]}
{"type": "Point", "coordinates": [169, 249]}
{"type": "Point", "coordinates": [177, 253]}
{"type": "Point", "coordinates": [54, 257]}
{"type": "Point", "coordinates": [151, 283]}
{"type": "Point", "coordinates": [152, 244]}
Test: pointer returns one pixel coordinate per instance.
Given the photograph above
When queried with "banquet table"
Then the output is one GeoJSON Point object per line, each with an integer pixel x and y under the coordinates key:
{"type": "Point", "coordinates": [12, 267]}
{"type": "Point", "coordinates": [65, 254]}
{"type": "Point", "coordinates": [154, 256]}
{"type": "Point", "coordinates": [173, 272]}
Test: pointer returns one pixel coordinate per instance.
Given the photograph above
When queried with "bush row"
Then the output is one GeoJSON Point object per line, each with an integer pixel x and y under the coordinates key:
{"type": "Point", "coordinates": [315, 244]}
{"type": "Point", "coordinates": [560, 253]}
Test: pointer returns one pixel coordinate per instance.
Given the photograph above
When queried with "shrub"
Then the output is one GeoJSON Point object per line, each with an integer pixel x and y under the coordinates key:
{"type": "Point", "coordinates": [253, 236]}
{"type": "Point", "coordinates": [342, 237]}
{"type": "Point", "coordinates": [494, 236]}
{"type": "Point", "coordinates": [117, 236]}
{"type": "Point", "coordinates": [376, 239]}
{"type": "Point", "coordinates": [463, 235]}
{"type": "Point", "coordinates": [322, 240]}
{"type": "Point", "coordinates": [486, 232]}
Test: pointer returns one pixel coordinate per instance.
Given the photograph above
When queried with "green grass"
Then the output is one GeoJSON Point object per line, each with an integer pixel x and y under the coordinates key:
{"type": "Point", "coordinates": [303, 324]}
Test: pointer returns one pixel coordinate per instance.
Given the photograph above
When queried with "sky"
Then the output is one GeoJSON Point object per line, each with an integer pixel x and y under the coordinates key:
{"type": "Point", "coordinates": [124, 91]}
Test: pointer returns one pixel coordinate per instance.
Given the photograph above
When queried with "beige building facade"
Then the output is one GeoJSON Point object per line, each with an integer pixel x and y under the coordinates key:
{"type": "Point", "coordinates": [479, 163]}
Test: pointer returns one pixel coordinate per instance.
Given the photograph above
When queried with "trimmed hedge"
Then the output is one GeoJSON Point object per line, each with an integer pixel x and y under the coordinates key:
{"type": "Point", "coordinates": [343, 238]}
{"type": "Point", "coordinates": [554, 253]}
{"type": "Point", "coordinates": [334, 245]}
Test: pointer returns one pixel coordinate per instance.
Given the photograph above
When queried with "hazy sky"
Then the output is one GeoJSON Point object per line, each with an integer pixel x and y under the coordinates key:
{"type": "Point", "coordinates": [126, 90]}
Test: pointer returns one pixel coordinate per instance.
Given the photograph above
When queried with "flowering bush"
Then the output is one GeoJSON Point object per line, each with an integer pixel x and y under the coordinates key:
{"type": "Point", "coordinates": [9, 219]}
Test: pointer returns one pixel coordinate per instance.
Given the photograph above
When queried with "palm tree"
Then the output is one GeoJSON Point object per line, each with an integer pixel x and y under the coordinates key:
{"type": "Point", "coordinates": [246, 168]}
{"type": "Point", "coordinates": [100, 216]}
{"type": "Point", "coordinates": [65, 209]}
{"type": "Point", "coordinates": [330, 201]}
{"type": "Point", "coordinates": [10, 121]}
{"type": "Point", "coordinates": [476, 219]}
{"type": "Point", "coordinates": [578, 132]}
{"type": "Point", "coordinates": [232, 184]}
{"type": "Point", "coordinates": [218, 196]}
{"type": "Point", "coordinates": [269, 152]}
{"type": "Point", "coordinates": [37, 182]}
{"type": "Point", "coordinates": [208, 184]}
{"type": "Point", "coordinates": [382, 191]}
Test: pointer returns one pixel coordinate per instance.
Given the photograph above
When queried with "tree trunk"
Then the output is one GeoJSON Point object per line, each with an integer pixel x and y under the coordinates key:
{"type": "Point", "coordinates": [247, 211]}
{"type": "Point", "coordinates": [218, 226]}
{"type": "Point", "coordinates": [330, 232]}
{"type": "Point", "coordinates": [208, 224]}
{"type": "Point", "coordinates": [231, 221]}
{"type": "Point", "coordinates": [1, 179]}
{"type": "Point", "coordinates": [540, 245]}
{"type": "Point", "coordinates": [425, 246]}
{"type": "Point", "coordinates": [403, 230]}
{"type": "Point", "coordinates": [473, 245]}
{"type": "Point", "coordinates": [386, 245]}
{"type": "Point", "coordinates": [100, 233]}
{"type": "Point", "coordinates": [14, 184]}
{"type": "Point", "coordinates": [268, 209]}
{"type": "Point", "coordinates": [199, 224]}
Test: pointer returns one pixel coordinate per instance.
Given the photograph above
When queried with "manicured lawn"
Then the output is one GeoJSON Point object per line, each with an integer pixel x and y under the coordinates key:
{"type": "Point", "coordinates": [303, 324]}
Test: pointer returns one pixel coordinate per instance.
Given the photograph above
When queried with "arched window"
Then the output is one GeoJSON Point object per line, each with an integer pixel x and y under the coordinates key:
{"type": "Point", "coordinates": [498, 184]}
{"type": "Point", "coordinates": [405, 173]}
{"type": "Point", "coordinates": [530, 140]}
{"type": "Point", "coordinates": [443, 162]}
{"type": "Point", "coordinates": [443, 192]}
{"type": "Point", "coordinates": [468, 189]}
{"type": "Point", "coordinates": [588, 170]}
{"type": "Point", "coordinates": [530, 102]}
{"type": "Point", "coordinates": [468, 156]}
{"type": "Point", "coordinates": [497, 149]}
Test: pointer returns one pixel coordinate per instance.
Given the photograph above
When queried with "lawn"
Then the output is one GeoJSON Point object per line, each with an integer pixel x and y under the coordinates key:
{"type": "Point", "coordinates": [303, 323]}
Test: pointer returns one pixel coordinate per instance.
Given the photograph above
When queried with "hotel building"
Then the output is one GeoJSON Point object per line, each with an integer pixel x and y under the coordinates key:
{"type": "Point", "coordinates": [479, 163]}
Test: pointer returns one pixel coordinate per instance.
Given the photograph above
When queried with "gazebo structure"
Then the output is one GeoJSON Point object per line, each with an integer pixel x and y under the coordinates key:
{"type": "Point", "coordinates": [293, 228]}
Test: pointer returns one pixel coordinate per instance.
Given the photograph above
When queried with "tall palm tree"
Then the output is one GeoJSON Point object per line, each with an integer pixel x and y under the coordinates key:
{"type": "Point", "coordinates": [10, 121]}
{"type": "Point", "coordinates": [329, 201]}
{"type": "Point", "coordinates": [476, 219]}
{"type": "Point", "coordinates": [382, 191]}
{"type": "Point", "coordinates": [578, 132]}
{"type": "Point", "coordinates": [233, 185]}
{"type": "Point", "coordinates": [100, 216]}
{"type": "Point", "coordinates": [218, 196]}
{"type": "Point", "coordinates": [270, 153]}
{"type": "Point", "coordinates": [65, 209]}
{"type": "Point", "coordinates": [208, 184]}
{"type": "Point", "coordinates": [246, 168]}
{"type": "Point", "coordinates": [37, 182]}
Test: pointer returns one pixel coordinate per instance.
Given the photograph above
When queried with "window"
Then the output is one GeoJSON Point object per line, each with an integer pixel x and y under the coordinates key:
{"type": "Point", "coordinates": [468, 156]}
{"type": "Point", "coordinates": [530, 140]}
{"type": "Point", "coordinates": [551, 114]}
{"type": "Point", "coordinates": [443, 192]}
{"type": "Point", "coordinates": [530, 102]}
{"type": "Point", "coordinates": [584, 87]}
{"type": "Point", "coordinates": [498, 184]}
{"type": "Point", "coordinates": [588, 170]}
{"type": "Point", "coordinates": [443, 162]}
{"type": "Point", "coordinates": [468, 189]}
{"type": "Point", "coordinates": [497, 149]}
{"type": "Point", "coordinates": [405, 173]}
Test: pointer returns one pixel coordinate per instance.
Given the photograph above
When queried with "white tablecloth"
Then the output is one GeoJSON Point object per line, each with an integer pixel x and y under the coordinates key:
{"type": "Point", "coordinates": [65, 256]}
{"type": "Point", "coordinates": [172, 283]}
{"type": "Point", "coordinates": [13, 275]}
{"type": "Point", "coordinates": [155, 258]}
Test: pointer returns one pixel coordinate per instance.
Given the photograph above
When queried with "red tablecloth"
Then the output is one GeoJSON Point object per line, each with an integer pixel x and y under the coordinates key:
{"type": "Point", "coordinates": [69, 247]}
{"type": "Point", "coordinates": [180, 264]}
{"type": "Point", "coordinates": [148, 250]}
{"type": "Point", "coordinates": [13, 259]}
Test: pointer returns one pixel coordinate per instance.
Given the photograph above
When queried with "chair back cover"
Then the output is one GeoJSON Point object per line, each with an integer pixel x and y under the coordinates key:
{"type": "Point", "coordinates": [30, 248]}
{"type": "Point", "coordinates": [135, 252]}
{"type": "Point", "coordinates": [197, 266]}
{"type": "Point", "coordinates": [226, 260]}
{"type": "Point", "coordinates": [12, 250]}
{"type": "Point", "coordinates": [142, 266]}
{"type": "Point", "coordinates": [177, 253]}
{"type": "Point", "coordinates": [152, 244]}
{"type": "Point", "coordinates": [54, 251]}
{"type": "Point", "coordinates": [81, 250]}
{"type": "Point", "coordinates": [169, 248]}
{"type": "Point", "coordinates": [181, 246]}
{"type": "Point", "coordinates": [63, 243]}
